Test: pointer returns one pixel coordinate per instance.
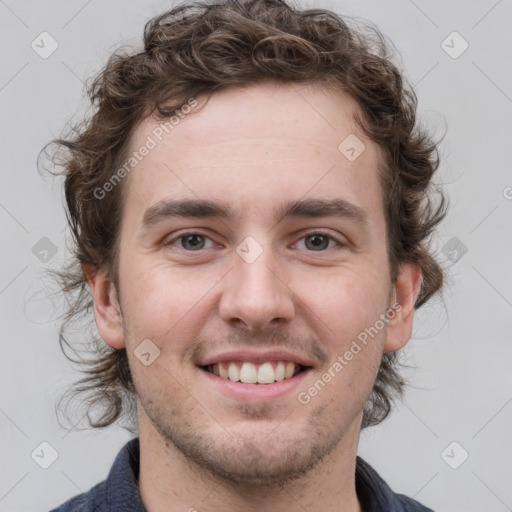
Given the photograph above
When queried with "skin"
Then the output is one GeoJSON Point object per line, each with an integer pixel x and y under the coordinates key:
{"type": "Point", "coordinates": [254, 147]}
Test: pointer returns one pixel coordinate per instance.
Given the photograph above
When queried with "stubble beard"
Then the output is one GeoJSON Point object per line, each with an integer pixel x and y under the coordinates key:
{"type": "Point", "coordinates": [263, 459]}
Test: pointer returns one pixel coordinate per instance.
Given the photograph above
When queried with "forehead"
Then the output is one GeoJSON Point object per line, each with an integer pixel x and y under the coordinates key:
{"type": "Point", "coordinates": [256, 144]}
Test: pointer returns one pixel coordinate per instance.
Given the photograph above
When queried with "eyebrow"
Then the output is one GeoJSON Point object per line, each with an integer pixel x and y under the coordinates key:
{"type": "Point", "coordinates": [197, 208]}
{"type": "Point", "coordinates": [340, 208]}
{"type": "Point", "coordinates": [201, 208]}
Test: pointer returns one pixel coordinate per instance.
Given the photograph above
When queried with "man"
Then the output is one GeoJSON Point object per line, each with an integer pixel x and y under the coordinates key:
{"type": "Point", "coordinates": [250, 208]}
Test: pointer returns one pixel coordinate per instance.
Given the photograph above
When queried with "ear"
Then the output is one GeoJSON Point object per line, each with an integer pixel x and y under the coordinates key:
{"type": "Point", "coordinates": [106, 306]}
{"type": "Point", "coordinates": [406, 292]}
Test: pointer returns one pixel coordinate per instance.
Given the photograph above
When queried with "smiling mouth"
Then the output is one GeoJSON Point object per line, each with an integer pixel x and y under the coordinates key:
{"type": "Point", "coordinates": [250, 373]}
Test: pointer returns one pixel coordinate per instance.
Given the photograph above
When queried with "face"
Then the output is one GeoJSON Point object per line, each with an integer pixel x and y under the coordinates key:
{"type": "Point", "coordinates": [252, 256]}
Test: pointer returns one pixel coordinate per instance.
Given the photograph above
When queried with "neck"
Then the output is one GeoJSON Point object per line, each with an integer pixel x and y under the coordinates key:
{"type": "Point", "coordinates": [168, 482]}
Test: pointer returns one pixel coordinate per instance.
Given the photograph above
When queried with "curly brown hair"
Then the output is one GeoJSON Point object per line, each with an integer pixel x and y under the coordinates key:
{"type": "Point", "coordinates": [194, 50]}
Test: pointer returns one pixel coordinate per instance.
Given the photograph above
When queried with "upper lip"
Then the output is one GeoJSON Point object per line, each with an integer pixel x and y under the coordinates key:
{"type": "Point", "coordinates": [256, 357]}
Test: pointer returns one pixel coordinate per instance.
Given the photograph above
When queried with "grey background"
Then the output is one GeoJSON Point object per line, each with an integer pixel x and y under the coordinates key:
{"type": "Point", "coordinates": [461, 384]}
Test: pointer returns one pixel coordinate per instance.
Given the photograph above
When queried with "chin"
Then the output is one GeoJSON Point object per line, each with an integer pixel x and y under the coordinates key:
{"type": "Point", "coordinates": [259, 454]}
{"type": "Point", "coordinates": [259, 464]}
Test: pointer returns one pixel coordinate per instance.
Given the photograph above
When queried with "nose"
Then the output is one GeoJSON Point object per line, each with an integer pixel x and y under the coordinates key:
{"type": "Point", "coordinates": [255, 295]}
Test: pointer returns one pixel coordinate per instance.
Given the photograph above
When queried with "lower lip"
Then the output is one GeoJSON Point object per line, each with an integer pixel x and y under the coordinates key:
{"type": "Point", "coordinates": [248, 392]}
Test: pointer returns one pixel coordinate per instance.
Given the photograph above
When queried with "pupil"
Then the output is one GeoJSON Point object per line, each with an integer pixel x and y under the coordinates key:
{"type": "Point", "coordinates": [320, 241]}
{"type": "Point", "coordinates": [195, 241]}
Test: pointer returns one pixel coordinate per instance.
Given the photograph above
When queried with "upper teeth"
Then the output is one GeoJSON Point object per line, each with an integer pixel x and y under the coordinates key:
{"type": "Point", "coordinates": [265, 373]}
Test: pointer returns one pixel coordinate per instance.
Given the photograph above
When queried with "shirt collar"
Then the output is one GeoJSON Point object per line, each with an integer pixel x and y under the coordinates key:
{"type": "Point", "coordinates": [123, 480]}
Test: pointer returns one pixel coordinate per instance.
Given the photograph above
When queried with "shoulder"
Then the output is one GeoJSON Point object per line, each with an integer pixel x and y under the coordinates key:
{"type": "Point", "coordinates": [119, 491]}
{"type": "Point", "coordinates": [89, 501]}
{"type": "Point", "coordinates": [409, 505]}
{"type": "Point", "coordinates": [376, 495]}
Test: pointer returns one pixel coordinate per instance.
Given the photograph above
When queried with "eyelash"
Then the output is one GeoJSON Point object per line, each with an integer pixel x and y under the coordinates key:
{"type": "Point", "coordinates": [311, 233]}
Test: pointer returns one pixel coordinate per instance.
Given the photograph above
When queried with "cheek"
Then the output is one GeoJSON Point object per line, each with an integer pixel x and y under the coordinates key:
{"type": "Point", "coordinates": [347, 309]}
{"type": "Point", "coordinates": [160, 300]}
{"type": "Point", "coordinates": [346, 301]}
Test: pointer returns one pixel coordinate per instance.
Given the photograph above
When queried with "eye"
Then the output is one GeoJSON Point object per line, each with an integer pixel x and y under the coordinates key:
{"type": "Point", "coordinates": [319, 241]}
{"type": "Point", "coordinates": [316, 241]}
{"type": "Point", "coordinates": [188, 241]}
